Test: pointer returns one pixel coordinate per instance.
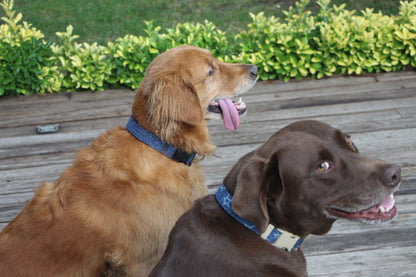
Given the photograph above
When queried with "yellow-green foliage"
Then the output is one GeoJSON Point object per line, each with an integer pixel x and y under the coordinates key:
{"type": "Point", "coordinates": [333, 41]}
{"type": "Point", "coordinates": [405, 32]}
{"type": "Point", "coordinates": [26, 61]}
{"type": "Point", "coordinates": [13, 32]}
{"type": "Point", "coordinates": [336, 41]}
{"type": "Point", "coordinates": [131, 55]}
{"type": "Point", "coordinates": [85, 66]}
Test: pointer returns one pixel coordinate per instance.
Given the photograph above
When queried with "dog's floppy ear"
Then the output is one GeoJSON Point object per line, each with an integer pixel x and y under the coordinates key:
{"type": "Point", "coordinates": [171, 98]}
{"type": "Point", "coordinates": [254, 181]}
{"type": "Point", "coordinates": [249, 200]}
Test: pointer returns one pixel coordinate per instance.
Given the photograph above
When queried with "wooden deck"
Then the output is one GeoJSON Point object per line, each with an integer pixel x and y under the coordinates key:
{"type": "Point", "coordinates": [379, 111]}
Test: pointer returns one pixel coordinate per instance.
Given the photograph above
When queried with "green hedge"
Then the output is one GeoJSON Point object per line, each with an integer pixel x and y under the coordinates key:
{"type": "Point", "coordinates": [333, 41]}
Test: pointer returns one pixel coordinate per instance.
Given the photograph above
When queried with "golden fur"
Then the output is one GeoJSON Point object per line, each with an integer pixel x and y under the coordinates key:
{"type": "Point", "coordinates": [110, 213]}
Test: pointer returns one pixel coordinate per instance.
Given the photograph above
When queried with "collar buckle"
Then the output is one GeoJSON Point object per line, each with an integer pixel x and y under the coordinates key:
{"type": "Point", "coordinates": [183, 157]}
{"type": "Point", "coordinates": [286, 240]}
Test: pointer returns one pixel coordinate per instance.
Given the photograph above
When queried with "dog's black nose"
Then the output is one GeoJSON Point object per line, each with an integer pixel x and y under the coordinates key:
{"type": "Point", "coordinates": [253, 70]}
{"type": "Point", "coordinates": [391, 176]}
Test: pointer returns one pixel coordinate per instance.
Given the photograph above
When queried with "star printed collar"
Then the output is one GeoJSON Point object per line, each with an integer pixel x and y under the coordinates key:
{"type": "Point", "coordinates": [278, 237]}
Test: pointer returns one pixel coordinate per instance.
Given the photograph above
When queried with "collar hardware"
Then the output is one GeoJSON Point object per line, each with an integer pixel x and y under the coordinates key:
{"type": "Point", "coordinates": [156, 143]}
{"type": "Point", "coordinates": [277, 237]}
{"type": "Point", "coordinates": [283, 239]}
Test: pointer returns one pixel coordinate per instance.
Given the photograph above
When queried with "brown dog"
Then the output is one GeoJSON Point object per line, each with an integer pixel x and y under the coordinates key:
{"type": "Point", "coordinates": [113, 209]}
{"type": "Point", "coordinates": [301, 180]}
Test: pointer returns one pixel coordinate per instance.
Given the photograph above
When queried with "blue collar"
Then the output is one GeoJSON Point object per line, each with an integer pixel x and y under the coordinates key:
{"type": "Point", "coordinates": [276, 236]}
{"type": "Point", "coordinates": [156, 143]}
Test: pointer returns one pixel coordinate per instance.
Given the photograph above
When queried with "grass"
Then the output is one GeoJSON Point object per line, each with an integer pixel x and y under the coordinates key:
{"type": "Point", "coordinates": [106, 20]}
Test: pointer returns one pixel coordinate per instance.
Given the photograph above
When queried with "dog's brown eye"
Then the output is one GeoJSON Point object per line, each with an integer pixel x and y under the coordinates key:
{"type": "Point", "coordinates": [323, 167]}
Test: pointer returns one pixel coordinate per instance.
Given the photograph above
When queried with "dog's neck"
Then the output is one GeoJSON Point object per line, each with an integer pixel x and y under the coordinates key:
{"type": "Point", "coordinates": [278, 237]}
{"type": "Point", "coordinates": [156, 143]}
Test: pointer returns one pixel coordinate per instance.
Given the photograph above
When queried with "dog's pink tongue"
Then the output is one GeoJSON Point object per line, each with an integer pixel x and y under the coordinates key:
{"type": "Point", "coordinates": [229, 114]}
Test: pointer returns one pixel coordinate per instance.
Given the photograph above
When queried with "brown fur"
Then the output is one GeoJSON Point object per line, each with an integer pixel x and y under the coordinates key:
{"type": "Point", "coordinates": [279, 183]}
{"type": "Point", "coordinates": [112, 210]}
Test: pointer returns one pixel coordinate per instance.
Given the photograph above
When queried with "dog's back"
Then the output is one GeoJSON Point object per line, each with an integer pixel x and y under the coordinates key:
{"type": "Point", "coordinates": [207, 242]}
{"type": "Point", "coordinates": [46, 241]}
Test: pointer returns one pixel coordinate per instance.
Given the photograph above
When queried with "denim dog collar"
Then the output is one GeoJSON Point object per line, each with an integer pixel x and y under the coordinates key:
{"type": "Point", "coordinates": [277, 237]}
{"type": "Point", "coordinates": [156, 143]}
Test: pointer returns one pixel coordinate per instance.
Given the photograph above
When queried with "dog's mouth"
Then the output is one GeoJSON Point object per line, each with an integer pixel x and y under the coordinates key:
{"type": "Point", "coordinates": [229, 110]}
{"type": "Point", "coordinates": [383, 212]}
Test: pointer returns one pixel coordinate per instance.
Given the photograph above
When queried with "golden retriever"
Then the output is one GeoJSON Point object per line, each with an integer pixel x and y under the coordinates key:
{"type": "Point", "coordinates": [110, 213]}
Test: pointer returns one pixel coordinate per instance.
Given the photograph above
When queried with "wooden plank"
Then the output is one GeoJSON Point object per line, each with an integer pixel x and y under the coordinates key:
{"type": "Point", "coordinates": [308, 83]}
{"type": "Point", "coordinates": [367, 143]}
{"type": "Point", "coordinates": [25, 180]}
{"type": "Point", "coordinates": [260, 131]}
{"type": "Point", "coordinates": [393, 76]}
{"type": "Point", "coordinates": [45, 148]}
{"type": "Point", "coordinates": [363, 241]}
{"type": "Point", "coordinates": [268, 112]}
{"type": "Point", "coordinates": [81, 103]}
{"type": "Point", "coordinates": [29, 129]}
{"type": "Point", "coordinates": [41, 100]}
{"type": "Point", "coordinates": [340, 82]}
{"type": "Point", "coordinates": [397, 261]}
{"type": "Point", "coordinates": [10, 142]}
{"type": "Point", "coordinates": [23, 163]}
{"type": "Point", "coordinates": [275, 93]}
{"type": "Point", "coordinates": [8, 212]}
{"type": "Point", "coordinates": [57, 115]}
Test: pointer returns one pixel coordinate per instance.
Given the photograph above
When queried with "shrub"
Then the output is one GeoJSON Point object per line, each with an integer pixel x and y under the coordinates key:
{"type": "Point", "coordinates": [26, 61]}
{"type": "Point", "coordinates": [406, 32]}
{"type": "Point", "coordinates": [84, 66]}
{"type": "Point", "coordinates": [333, 41]}
{"type": "Point", "coordinates": [280, 49]}
{"type": "Point", "coordinates": [203, 35]}
{"type": "Point", "coordinates": [354, 44]}
{"type": "Point", "coordinates": [336, 41]}
{"type": "Point", "coordinates": [131, 55]}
